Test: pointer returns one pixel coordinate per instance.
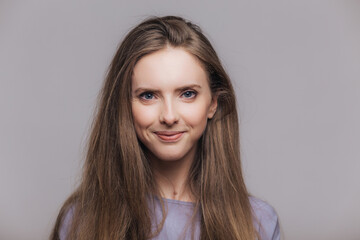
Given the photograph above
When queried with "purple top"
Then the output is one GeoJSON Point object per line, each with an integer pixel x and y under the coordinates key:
{"type": "Point", "coordinates": [177, 224]}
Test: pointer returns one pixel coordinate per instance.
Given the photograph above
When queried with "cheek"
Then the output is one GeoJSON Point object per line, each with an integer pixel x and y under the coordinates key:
{"type": "Point", "coordinates": [143, 116]}
{"type": "Point", "coordinates": [196, 115]}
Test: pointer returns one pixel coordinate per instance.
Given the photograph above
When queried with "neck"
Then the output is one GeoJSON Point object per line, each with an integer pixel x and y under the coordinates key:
{"type": "Point", "coordinates": [172, 176]}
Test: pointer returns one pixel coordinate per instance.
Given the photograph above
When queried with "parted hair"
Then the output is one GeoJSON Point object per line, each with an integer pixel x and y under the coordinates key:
{"type": "Point", "coordinates": [112, 199]}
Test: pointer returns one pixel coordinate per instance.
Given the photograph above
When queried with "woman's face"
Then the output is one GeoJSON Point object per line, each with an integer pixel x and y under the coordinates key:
{"type": "Point", "coordinates": [171, 103]}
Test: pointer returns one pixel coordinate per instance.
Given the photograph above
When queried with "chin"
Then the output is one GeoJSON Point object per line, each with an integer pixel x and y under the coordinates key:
{"type": "Point", "coordinates": [169, 157]}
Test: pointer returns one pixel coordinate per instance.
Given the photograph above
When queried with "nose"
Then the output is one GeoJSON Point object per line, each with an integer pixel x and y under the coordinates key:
{"type": "Point", "coordinates": [169, 114]}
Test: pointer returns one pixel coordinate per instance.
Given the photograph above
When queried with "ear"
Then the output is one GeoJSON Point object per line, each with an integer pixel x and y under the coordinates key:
{"type": "Point", "coordinates": [213, 106]}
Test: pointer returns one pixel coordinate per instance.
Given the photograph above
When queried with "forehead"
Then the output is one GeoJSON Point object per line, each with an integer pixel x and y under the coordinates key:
{"type": "Point", "coordinates": [169, 67]}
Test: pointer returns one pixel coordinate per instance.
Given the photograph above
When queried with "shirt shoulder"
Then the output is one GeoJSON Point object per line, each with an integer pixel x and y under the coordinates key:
{"type": "Point", "coordinates": [266, 221]}
{"type": "Point", "coordinates": [66, 224]}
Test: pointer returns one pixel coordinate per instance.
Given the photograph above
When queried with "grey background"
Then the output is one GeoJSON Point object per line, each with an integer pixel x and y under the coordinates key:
{"type": "Point", "coordinates": [295, 66]}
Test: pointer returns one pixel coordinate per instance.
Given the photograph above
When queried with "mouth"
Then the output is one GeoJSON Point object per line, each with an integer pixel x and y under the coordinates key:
{"type": "Point", "coordinates": [169, 136]}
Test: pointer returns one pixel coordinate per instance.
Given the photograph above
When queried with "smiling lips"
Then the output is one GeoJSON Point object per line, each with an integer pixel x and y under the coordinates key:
{"type": "Point", "coordinates": [169, 136]}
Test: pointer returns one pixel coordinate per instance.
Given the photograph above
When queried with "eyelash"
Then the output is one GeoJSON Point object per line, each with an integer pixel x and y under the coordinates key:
{"type": "Point", "coordinates": [146, 94]}
{"type": "Point", "coordinates": [142, 95]}
{"type": "Point", "coordinates": [193, 94]}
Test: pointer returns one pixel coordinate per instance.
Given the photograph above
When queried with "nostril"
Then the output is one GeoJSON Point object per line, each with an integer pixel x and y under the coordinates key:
{"type": "Point", "coordinates": [169, 119]}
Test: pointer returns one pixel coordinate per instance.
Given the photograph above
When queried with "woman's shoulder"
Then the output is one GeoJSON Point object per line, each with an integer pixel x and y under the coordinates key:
{"type": "Point", "coordinates": [266, 220]}
{"type": "Point", "coordinates": [66, 223]}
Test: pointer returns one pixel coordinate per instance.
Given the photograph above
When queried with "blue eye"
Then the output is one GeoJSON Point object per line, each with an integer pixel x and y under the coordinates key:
{"type": "Point", "coordinates": [147, 96]}
{"type": "Point", "coordinates": [189, 94]}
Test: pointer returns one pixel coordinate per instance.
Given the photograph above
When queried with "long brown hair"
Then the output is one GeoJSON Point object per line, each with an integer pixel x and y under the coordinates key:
{"type": "Point", "coordinates": [113, 198]}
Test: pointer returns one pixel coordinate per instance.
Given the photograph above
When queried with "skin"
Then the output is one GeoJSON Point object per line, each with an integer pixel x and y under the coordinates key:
{"type": "Point", "coordinates": [171, 104]}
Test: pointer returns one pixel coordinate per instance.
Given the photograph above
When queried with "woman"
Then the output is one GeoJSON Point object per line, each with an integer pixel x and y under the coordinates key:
{"type": "Point", "coordinates": [163, 156]}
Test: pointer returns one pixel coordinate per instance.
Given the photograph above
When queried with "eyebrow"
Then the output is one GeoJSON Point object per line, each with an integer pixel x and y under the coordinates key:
{"type": "Point", "coordinates": [183, 88]}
